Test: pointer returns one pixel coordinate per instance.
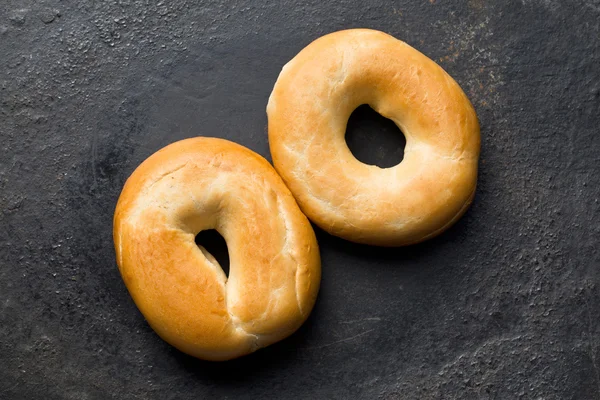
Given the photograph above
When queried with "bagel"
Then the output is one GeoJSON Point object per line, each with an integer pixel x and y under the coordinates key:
{"type": "Point", "coordinates": [308, 111]}
{"type": "Point", "coordinates": [207, 183]}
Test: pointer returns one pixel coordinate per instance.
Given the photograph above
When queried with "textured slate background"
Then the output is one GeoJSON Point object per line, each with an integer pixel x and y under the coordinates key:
{"type": "Point", "coordinates": [504, 305]}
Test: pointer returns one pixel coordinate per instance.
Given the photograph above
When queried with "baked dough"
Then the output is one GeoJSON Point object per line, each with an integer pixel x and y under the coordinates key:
{"type": "Point", "coordinates": [308, 111]}
{"type": "Point", "coordinates": [207, 183]}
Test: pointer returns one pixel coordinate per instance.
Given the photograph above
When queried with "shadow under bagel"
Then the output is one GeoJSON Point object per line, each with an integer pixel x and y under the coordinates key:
{"type": "Point", "coordinates": [260, 362]}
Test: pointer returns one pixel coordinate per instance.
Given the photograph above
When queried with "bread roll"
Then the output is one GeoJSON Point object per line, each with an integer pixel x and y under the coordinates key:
{"type": "Point", "coordinates": [206, 183]}
{"type": "Point", "coordinates": [308, 111]}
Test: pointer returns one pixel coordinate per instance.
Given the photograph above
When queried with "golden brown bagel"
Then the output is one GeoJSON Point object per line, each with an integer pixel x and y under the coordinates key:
{"type": "Point", "coordinates": [308, 111]}
{"type": "Point", "coordinates": [206, 183]}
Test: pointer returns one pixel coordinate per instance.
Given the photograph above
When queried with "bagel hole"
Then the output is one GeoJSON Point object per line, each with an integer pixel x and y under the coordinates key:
{"type": "Point", "coordinates": [216, 245]}
{"type": "Point", "coordinates": [374, 139]}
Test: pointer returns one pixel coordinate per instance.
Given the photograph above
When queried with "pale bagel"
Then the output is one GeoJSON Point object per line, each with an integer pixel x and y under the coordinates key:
{"type": "Point", "coordinates": [206, 183]}
{"type": "Point", "coordinates": [307, 115]}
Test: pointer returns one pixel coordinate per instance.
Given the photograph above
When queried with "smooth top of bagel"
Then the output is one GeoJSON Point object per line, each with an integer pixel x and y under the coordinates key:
{"type": "Point", "coordinates": [208, 183]}
{"type": "Point", "coordinates": [308, 112]}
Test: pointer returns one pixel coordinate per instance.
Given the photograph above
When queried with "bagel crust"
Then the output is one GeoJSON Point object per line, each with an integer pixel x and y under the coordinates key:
{"type": "Point", "coordinates": [207, 183]}
{"type": "Point", "coordinates": [308, 111]}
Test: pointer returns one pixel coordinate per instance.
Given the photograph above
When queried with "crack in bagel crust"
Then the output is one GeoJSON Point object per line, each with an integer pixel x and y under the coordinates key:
{"type": "Point", "coordinates": [208, 183]}
{"type": "Point", "coordinates": [308, 110]}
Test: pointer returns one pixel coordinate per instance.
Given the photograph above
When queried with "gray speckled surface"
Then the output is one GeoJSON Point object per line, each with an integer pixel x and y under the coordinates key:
{"type": "Point", "coordinates": [504, 305]}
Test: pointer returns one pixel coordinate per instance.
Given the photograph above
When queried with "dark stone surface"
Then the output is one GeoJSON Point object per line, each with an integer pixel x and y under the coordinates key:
{"type": "Point", "coordinates": [504, 305]}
